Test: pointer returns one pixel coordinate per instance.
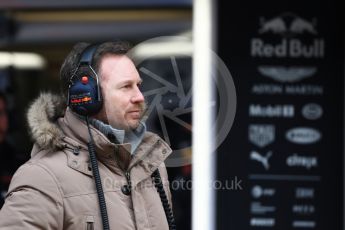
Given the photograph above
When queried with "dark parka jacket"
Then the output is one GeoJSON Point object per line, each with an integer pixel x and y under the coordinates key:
{"type": "Point", "coordinates": [55, 189]}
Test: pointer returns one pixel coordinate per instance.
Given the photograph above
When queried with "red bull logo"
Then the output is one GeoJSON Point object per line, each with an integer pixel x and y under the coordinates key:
{"type": "Point", "coordinates": [288, 48]}
{"type": "Point", "coordinates": [287, 23]}
{"type": "Point", "coordinates": [300, 25]}
{"type": "Point", "coordinates": [293, 30]}
{"type": "Point", "coordinates": [275, 25]}
{"type": "Point", "coordinates": [80, 100]}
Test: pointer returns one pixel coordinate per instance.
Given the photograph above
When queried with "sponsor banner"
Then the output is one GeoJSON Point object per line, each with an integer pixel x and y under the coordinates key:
{"type": "Point", "coordinates": [307, 162]}
{"type": "Point", "coordinates": [258, 208]}
{"type": "Point", "coordinates": [284, 111]}
{"type": "Point", "coordinates": [304, 224]}
{"type": "Point", "coordinates": [287, 90]}
{"type": "Point", "coordinates": [312, 111]}
{"type": "Point", "coordinates": [261, 135]}
{"type": "Point", "coordinates": [262, 222]}
{"type": "Point", "coordinates": [303, 135]}
{"type": "Point", "coordinates": [263, 159]}
{"type": "Point", "coordinates": [304, 193]}
{"type": "Point", "coordinates": [287, 63]}
{"type": "Point", "coordinates": [260, 191]}
{"type": "Point", "coordinates": [303, 209]}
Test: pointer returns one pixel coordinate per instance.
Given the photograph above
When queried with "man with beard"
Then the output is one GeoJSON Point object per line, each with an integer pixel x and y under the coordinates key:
{"type": "Point", "coordinates": [56, 188]}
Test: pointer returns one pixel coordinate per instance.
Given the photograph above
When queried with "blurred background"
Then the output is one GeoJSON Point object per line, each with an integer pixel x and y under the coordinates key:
{"type": "Point", "coordinates": [35, 37]}
{"type": "Point", "coordinates": [280, 163]}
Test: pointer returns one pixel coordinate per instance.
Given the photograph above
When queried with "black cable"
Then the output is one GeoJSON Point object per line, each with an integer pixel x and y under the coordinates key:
{"type": "Point", "coordinates": [167, 208]}
{"type": "Point", "coordinates": [98, 182]}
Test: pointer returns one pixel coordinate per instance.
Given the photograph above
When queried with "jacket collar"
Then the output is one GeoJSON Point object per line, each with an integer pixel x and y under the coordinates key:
{"type": "Point", "coordinates": [76, 129]}
{"type": "Point", "coordinates": [149, 155]}
{"type": "Point", "coordinates": [52, 127]}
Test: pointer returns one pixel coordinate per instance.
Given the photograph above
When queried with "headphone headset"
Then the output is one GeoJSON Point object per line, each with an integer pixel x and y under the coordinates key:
{"type": "Point", "coordinates": [84, 95]}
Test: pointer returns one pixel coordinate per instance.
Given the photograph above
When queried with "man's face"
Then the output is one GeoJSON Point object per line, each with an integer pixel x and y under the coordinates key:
{"type": "Point", "coordinates": [3, 120]}
{"type": "Point", "coordinates": [123, 101]}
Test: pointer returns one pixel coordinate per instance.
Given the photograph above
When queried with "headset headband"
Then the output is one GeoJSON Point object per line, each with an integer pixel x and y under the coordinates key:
{"type": "Point", "coordinates": [87, 54]}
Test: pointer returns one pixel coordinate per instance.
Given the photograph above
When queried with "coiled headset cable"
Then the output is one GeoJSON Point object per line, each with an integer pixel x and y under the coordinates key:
{"type": "Point", "coordinates": [98, 182]}
{"type": "Point", "coordinates": [167, 208]}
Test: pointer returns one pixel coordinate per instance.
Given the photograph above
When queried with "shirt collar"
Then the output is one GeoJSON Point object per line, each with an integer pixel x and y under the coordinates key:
{"type": "Point", "coordinates": [133, 137]}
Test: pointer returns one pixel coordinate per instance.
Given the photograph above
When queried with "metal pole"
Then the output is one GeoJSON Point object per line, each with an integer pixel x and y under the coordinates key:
{"type": "Point", "coordinates": [203, 159]}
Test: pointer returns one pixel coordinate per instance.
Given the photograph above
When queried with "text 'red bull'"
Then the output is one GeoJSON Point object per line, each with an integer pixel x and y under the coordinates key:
{"type": "Point", "coordinates": [80, 100]}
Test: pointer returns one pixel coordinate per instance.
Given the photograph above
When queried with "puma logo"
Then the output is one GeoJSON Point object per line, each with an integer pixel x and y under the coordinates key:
{"type": "Point", "coordinates": [262, 159]}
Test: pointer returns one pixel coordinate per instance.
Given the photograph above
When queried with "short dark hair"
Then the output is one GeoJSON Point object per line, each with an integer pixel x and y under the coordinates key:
{"type": "Point", "coordinates": [71, 62]}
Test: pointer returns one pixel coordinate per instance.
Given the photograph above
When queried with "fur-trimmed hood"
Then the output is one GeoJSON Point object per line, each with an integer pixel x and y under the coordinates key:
{"type": "Point", "coordinates": [55, 189]}
{"type": "Point", "coordinates": [42, 118]}
{"type": "Point", "coordinates": [53, 127]}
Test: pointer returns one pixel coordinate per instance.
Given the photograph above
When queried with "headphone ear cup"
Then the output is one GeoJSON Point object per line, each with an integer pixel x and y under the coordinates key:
{"type": "Point", "coordinates": [84, 98]}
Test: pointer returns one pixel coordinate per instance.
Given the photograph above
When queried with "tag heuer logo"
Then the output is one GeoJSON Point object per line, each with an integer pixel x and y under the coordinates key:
{"type": "Point", "coordinates": [261, 135]}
